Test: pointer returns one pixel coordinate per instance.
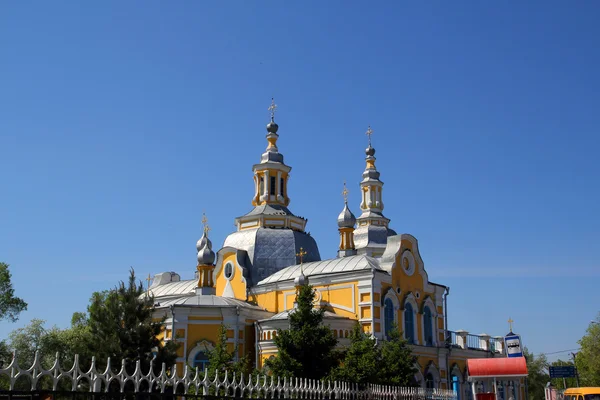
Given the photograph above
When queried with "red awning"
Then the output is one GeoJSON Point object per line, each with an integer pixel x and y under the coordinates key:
{"type": "Point", "coordinates": [496, 367]}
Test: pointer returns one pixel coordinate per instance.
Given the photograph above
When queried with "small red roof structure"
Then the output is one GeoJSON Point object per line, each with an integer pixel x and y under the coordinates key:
{"type": "Point", "coordinates": [496, 367]}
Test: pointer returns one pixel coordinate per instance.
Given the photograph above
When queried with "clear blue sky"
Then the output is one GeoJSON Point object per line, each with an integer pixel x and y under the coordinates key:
{"type": "Point", "coordinates": [120, 122]}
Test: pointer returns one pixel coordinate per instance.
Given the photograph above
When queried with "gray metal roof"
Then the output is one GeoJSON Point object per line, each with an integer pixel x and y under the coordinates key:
{"type": "Point", "coordinates": [286, 314]}
{"type": "Point", "coordinates": [335, 265]}
{"type": "Point", "coordinates": [206, 301]}
{"type": "Point", "coordinates": [270, 249]}
{"type": "Point", "coordinates": [270, 209]}
{"type": "Point", "coordinates": [174, 288]}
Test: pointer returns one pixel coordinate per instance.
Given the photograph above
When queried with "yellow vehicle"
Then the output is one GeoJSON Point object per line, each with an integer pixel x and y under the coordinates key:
{"type": "Point", "coordinates": [582, 393]}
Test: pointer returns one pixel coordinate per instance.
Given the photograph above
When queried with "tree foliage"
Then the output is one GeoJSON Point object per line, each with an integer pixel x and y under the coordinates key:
{"type": "Point", "coordinates": [390, 363]}
{"type": "Point", "coordinates": [221, 359]}
{"type": "Point", "coordinates": [588, 358]}
{"type": "Point", "coordinates": [361, 359]}
{"type": "Point", "coordinates": [307, 348]}
{"type": "Point", "coordinates": [537, 367]}
{"type": "Point", "coordinates": [122, 326]}
{"type": "Point", "coordinates": [10, 305]}
{"type": "Point", "coordinates": [397, 361]}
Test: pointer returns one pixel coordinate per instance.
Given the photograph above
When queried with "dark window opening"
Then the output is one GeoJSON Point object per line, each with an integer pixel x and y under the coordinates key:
{"type": "Point", "coordinates": [272, 185]}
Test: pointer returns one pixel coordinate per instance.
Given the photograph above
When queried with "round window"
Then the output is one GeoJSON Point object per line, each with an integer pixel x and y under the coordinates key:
{"type": "Point", "coordinates": [228, 270]}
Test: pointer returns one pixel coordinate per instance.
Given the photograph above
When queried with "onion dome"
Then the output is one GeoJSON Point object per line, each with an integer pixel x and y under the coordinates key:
{"type": "Point", "coordinates": [346, 219]}
{"type": "Point", "coordinates": [206, 256]}
{"type": "Point", "coordinates": [272, 127]}
{"type": "Point", "coordinates": [203, 242]}
{"type": "Point", "coordinates": [370, 151]}
{"type": "Point", "coordinates": [301, 279]}
{"type": "Point", "coordinates": [204, 246]}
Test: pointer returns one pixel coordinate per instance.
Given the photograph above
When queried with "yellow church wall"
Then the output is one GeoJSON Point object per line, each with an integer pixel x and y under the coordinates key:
{"type": "Point", "coordinates": [269, 301]}
{"type": "Point", "coordinates": [341, 298]}
{"type": "Point", "coordinates": [200, 332]}
{"type": "Point", "coordinates": [236, 281]}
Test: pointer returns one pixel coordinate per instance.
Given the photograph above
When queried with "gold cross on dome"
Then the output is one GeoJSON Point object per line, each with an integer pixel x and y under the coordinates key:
{"type": "Point", "coordinates": [345, 193]}
{"type": "Point", "coordinates": [205, 223]}
{"type": "Point", "coordinates": [510, 322]}
{"type": "Point", "coordinates": [148, 279]}
{"type": "Point", "coordinates": [369, 133]}
{"type": "Point", "coordinates": [272, 108]}
{"type": "Point", "coordinates": [301, 254]}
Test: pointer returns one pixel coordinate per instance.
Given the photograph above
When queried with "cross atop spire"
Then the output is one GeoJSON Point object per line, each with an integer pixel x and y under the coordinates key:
{"type": "Point", "coordinates": [510, 323]}
{"type": "Point", "coordinates": [301, 254]}
{"type": "Point", "coordinates": [205, 223]}
{"type": "Point", "coordinates": [272, 108]}
{"type": "Point", "coordinates": [369, 133]}
{"type": "Point", "coordinates": [345, 193]}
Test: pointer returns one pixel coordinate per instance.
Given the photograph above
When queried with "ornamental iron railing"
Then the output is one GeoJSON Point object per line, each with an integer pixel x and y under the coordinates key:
{"type": "Point", "coordinates": [191, 383]}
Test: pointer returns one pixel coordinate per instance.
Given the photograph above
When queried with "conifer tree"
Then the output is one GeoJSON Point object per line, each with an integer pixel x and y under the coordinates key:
{"type": "Point", "coordinates": [221, 360]}
{"type": "Point", "coordinates": [361, 359]}
{"type": "Point", "coordinates": [397, 363]}
{"type": "Point", "coordinates": [306, 349]}
{"type": "Point", "coordinates": [122, 327]}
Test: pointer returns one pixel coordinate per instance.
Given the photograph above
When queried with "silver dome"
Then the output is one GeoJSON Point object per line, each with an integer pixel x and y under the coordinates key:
{"type": "Point", "coordinates": [205, 254]}
{"type": "Point", "coordinates": [203, 242]}
{"type": "Point", "coordinates": [346, 219]}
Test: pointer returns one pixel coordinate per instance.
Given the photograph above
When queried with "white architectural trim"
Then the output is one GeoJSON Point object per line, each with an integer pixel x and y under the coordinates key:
{"type": "Point", "coordinates": [202, 345]}
{"type": "Point", "coordinates": [410, 298]}
{"type": "Point", "coordinates": [434, 326]}
{"type": "Point", "coordinates": [435, 373]}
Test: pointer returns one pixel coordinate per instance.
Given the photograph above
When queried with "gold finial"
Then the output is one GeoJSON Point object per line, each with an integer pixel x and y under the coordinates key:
{"type": "Point", "coordinates": [369, 133]}
{"type": "Point", "coordinates": [345, 193]}
{"type": "Point", "coordinates": [148, 279]}
{"type": "Point", "coordinates": [301, 254]}
{"type": "Point", "coordinates": [510, 323]}
{"type": "Point", "coordinates": [272, 108]}
{"type": "Point", "coordinates": [205, 223]}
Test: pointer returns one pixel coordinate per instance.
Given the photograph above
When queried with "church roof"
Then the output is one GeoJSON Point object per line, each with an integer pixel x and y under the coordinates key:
{"type": "Point", "coordinates": [286, 314]}
{"type": "Point", "coordinates": [174, 288]}
{"type": "Point", "coordinates": [206, 301]}
{"type": "Point", "coordinates": [335, 265]}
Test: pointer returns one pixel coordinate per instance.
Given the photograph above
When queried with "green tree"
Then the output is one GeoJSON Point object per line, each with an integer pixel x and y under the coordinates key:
{"type": "Point", "coordinates": [307, 348]}
{"type": "Point", "coordinates": [10, 306]}
{"type": "Point", "coordinates": [537, 367]}
{"type": "Point", "coordinates": [122, 326]}
{"type": "Point", "coordinates": [27, 340]}
{"type": "Point", "coordinates": [360, 363]}
{"type": "Point", "coordinates": [588, 358]}
{"type": "Point", "coordinates": [221, 359]}
{"type": "Point", "coordinates": [397, 361]}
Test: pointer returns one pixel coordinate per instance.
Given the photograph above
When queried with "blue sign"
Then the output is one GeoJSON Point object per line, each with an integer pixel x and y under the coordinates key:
{"type": "Point", "coordinates": [563, 371]}
{"type": "Point", "coordinates": [513, 346]}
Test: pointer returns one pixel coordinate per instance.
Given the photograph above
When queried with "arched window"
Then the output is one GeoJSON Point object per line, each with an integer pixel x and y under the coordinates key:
{"type": "Point", "coordinates": [428, 329]}
{"type": "Point", "coordinates": [429, 383]}
{"type": "Point", "coordinates": [201, 360]}
{"type": "Point", "coordinates": [456, 386]}
{"type": "Point", "coordinates": [409, 323]}
{"type": "Point", "coordinates": [388, 309]}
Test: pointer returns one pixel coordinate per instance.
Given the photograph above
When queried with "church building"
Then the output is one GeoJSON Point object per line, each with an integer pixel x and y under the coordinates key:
{"type": "Point", "coordinates": [378, 280]}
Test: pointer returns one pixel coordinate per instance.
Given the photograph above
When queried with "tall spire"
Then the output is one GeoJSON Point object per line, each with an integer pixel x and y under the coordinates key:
{"type": "Point", "coordinates": [371, 234]}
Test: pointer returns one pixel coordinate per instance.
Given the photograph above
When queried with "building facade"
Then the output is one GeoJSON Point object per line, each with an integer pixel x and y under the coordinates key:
{"type": "Point", "coordinates": [378, 280]}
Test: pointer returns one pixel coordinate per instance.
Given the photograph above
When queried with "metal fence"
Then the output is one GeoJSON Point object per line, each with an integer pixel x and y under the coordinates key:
{"type": "Point", "coordinates": [91, 384]}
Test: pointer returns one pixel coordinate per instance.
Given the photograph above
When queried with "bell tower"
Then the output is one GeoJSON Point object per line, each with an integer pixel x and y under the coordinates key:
{"type": "Point", "coordinates": [371, 234]}
{"type": "Point", "coordinates": [271, 175]}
